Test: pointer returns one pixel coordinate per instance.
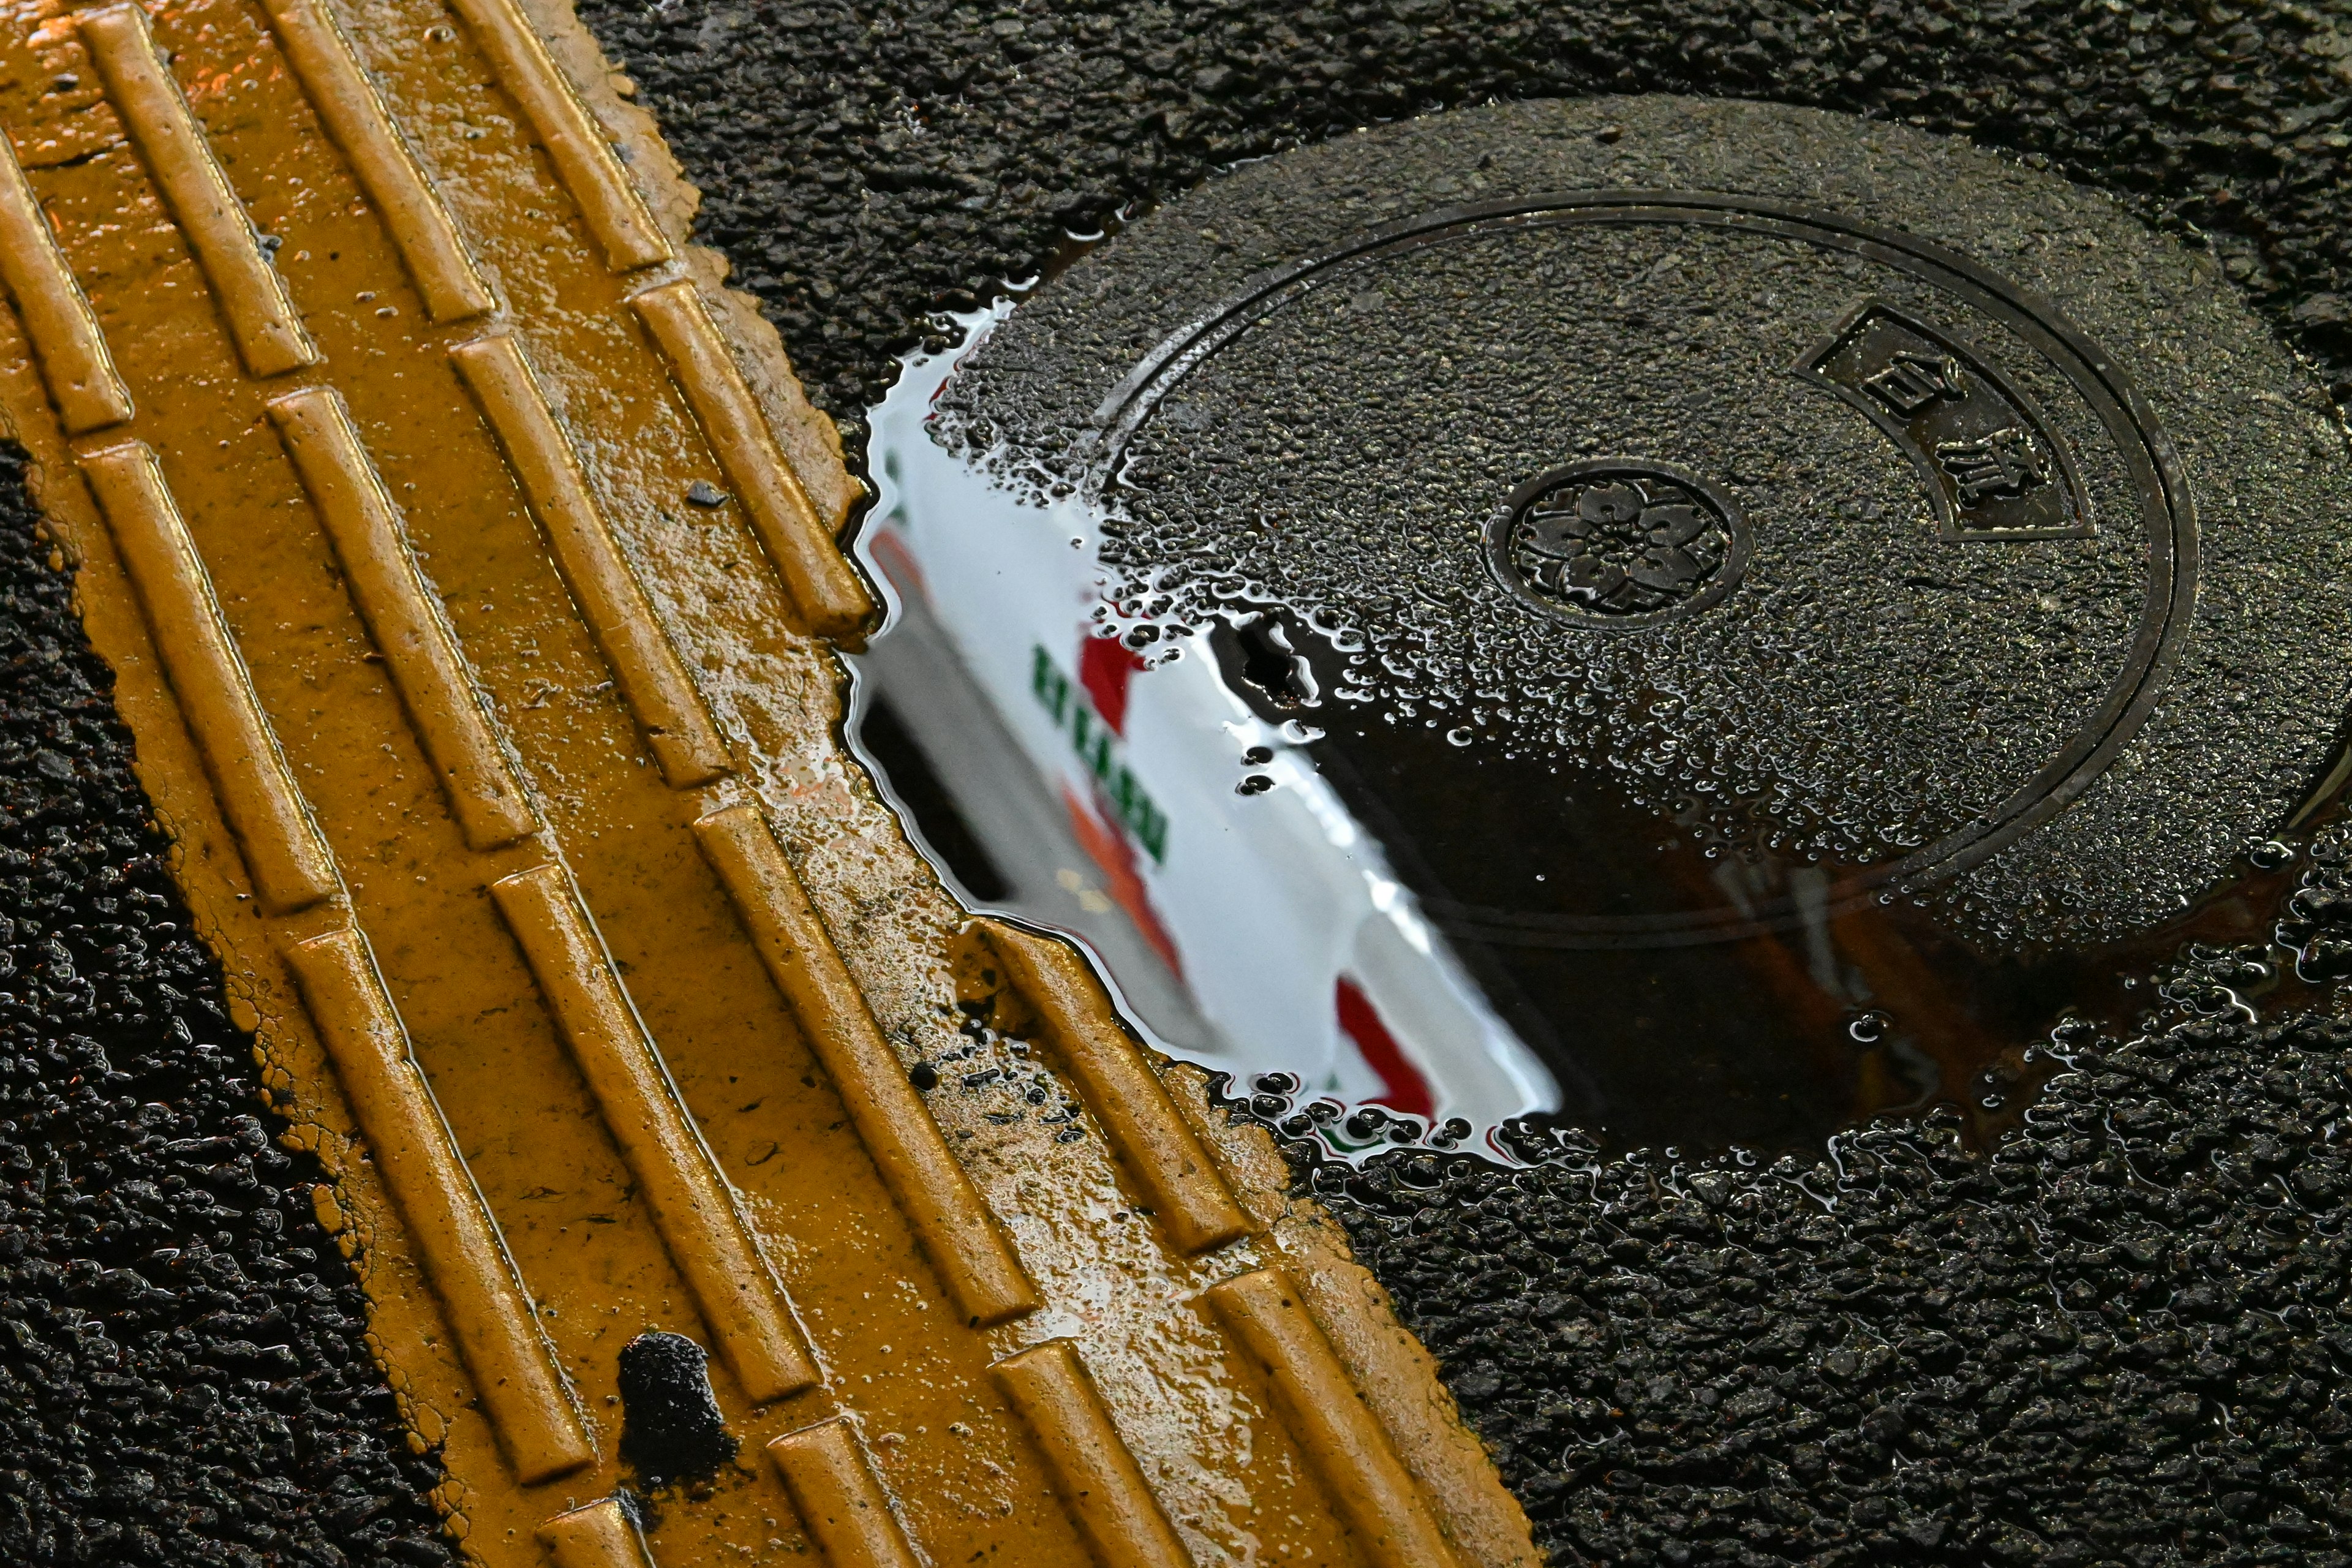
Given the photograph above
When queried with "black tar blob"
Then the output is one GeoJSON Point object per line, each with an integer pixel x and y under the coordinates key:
{"type": "Point", "coordinates": [671, 1429]}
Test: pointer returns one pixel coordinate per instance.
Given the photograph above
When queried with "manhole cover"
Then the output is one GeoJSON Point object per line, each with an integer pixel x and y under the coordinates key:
{"type": "Point", "coordinates": [1735, 570]}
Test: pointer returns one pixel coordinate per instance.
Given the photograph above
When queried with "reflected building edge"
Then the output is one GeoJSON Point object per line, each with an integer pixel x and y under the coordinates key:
{"type": "Point", "coordinates": [1137, 801]}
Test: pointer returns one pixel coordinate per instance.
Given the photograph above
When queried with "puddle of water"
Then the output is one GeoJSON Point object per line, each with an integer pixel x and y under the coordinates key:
{"type": "Point", "coordinates": [1346, 902]}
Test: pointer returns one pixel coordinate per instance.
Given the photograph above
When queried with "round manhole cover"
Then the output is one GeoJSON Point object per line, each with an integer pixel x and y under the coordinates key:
{"type": "Point", "coordinates": [1855, 572]}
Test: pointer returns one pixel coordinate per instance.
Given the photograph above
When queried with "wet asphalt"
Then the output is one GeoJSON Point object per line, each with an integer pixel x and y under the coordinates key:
{"type": "Point", "coordinates": [2119, 1339]}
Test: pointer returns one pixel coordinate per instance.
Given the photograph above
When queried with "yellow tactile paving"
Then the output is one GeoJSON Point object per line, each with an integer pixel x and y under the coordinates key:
{"type": "Point", "coordinates": [831, 600]}
{"type": "Point", "coordinates": [1179, 1184]}
{"type": "Point", "coordinates": [1268, 1314]}
{"type": "Point", "coordinates": [709, 1243]}
{"type": "Point", "coordinates": [601, 1535]}
{"type": "Point", "coordinates": [403, 617]}
{"type": "Point", "coordinates": [1093, 1474]}
{"type": "Point", "coordinates": [350, 111]}
{"type": "Point", "coordinates": [447, 1224]}
{"type": "Point", "coordinates": [261, 318]}
{"type": "Point", "coordinates": [582, 157]}
{"type": "Point", "coordinates": [50, 307]}
{"type": "Point", "coordinates": [365, 382]}
{"type": "Point", "coordinates": [939, 1200]}
{"type": "Point", "coordinates": [651, 678]}
{"type": "Point", "coordinates": [842, 1504]}
{"type": "Point", "coordinates": [290, 869]}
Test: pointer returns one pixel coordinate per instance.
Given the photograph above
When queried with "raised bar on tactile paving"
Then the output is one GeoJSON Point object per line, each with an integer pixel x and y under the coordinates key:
{"type": "Point", "coordinates": [354, 116]}
{"type": "Point", "coordinates": [1265, 1313]}
{"type": "Point", "coordinates": [928, 1183]}
{"type": "Point", "coordinates": [599, 1535]}
{"type": "Point", "coordinates": [290, 867]}
{"type": "Point", "coordinates": [269, 337]}
{"type": "Point", "coordinates": [471, 1273]}
{"type": "Point", "coordinates": [692, 1205]}
{"type": "Point", "coordinates": [651, 675]}
{"type": "Point", "coordinates": [831, 600]}
{"type": "Point", "coordinates": [402, 616]}
{"type": "Point", "coordinates": [841, 1504]}
{"type": "Point", "coordinates": [1181, 1183]}
{"type": "Point", "coordinates": [1098, 1480]}
{"type": "Point", "coordinates": [75, 364]}
{"type": "Point", "coordinates": [575, 144]}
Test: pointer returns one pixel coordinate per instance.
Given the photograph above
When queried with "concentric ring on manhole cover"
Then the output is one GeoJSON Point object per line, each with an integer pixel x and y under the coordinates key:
{"type": "Point", "coordinates": [1995, 468]}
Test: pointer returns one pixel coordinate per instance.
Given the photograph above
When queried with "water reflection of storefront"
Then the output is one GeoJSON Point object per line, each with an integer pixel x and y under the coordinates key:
{"type": "Point", "coordinates": [1137, 803]}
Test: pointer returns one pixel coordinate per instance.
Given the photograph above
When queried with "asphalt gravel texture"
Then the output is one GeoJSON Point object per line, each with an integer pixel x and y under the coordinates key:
{"type": "Point", "coordinates": [2120, 1339]}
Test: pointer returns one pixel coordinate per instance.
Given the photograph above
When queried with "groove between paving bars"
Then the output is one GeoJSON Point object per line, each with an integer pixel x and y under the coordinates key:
{"type": "Point", "coordinates": [692, 1206]}
{"type": "Point", "coordinates": [841, 1504]}
{"type": "Point", "coordinates": [471, 1274]}
{"type": "Point", "coordinates": [402, 616]}
{"type": "Point", "coordinates": [651, 678]}
{"type": "Point", "coordinates": [290, 867]}
{"type": "Point", "coordinates": [1181, 1183]}
{"type": "Point", "coordinates": [576, 144]}
{"type": "Point", "coordinates": [269, 337]}
{"type": "Point", "coordinates": [1099, 1480]}
{"type": "Point", "coordinates": [924, 1177]}
{"type": "Point", "coordinates": [831, 600]}
{"type": "Point", "coordinates": [1265, 1313]}
{"type": "Point", "coordinates": [71, 351]}
{"type": "Point", "coordinates": [601, 1535]}
{"type": "Point", "coordinates": [348, 105]}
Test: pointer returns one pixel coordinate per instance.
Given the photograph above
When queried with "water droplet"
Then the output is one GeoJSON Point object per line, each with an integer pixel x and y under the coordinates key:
{"type": "Point", "coordinates": [1256, 784]}
{"type": "Point", "coordinates": [2270, 855]}
{"type": "Point", "coordinates": [1460, 735]}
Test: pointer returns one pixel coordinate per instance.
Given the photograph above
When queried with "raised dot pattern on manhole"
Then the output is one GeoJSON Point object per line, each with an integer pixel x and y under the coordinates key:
{"type": "Point", "coordinates": [1618, 543]}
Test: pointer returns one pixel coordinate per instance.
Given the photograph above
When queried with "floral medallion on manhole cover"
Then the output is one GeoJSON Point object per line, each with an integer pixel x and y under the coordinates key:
{"type": "Point", "coordinates": [1617, 542]}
